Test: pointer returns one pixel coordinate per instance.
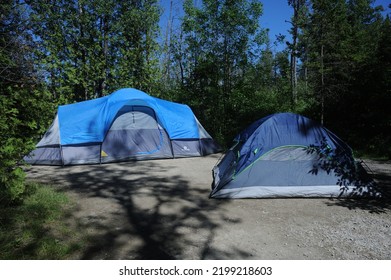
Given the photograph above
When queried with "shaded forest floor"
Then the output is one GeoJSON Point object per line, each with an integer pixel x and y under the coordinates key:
{"type": "Point", "coordinates": [160, 209]}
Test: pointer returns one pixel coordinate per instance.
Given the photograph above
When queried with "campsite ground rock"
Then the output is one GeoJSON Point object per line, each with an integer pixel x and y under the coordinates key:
{"type": "Point", "coordinates": [159, 209]}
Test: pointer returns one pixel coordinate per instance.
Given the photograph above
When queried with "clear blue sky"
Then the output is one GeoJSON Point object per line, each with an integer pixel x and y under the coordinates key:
{"type": "Point", "coordinates": [276, 12]}
{"type": "Point", "coordinates": [275, 15]}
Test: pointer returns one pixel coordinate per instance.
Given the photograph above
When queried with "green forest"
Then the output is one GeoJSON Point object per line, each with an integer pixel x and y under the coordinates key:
{"type": "Point", "coordinates": [334, 67]}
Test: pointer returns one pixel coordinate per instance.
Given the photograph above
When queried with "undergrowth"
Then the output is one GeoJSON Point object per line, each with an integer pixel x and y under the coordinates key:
{"type": "Point", "coordinates": [36, 227]}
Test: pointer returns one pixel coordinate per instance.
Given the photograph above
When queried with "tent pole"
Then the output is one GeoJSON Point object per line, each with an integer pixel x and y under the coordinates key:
{"type": "Point", "coordinates": [100, 153]}
{"type": "Point", "coordinates": [172, 148]}
{"type": "Point", "coordinates": [62, 156]}
{"type": "Point", "coordinates": [200, 146]}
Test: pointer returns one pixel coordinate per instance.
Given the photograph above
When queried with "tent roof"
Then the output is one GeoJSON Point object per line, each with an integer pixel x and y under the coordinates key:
{"type": "Point", "coordinates": [283, 129]}
{"type": "Point", "coordinates": [88, 121]}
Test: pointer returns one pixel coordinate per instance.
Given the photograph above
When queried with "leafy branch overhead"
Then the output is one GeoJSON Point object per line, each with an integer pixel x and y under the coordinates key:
{"type": "Point", "coordinates": [352, 178]}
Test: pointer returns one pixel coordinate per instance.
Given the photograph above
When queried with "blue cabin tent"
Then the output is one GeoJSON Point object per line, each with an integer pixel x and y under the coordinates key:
{"type": "Point", "coordinates": [126, 125]}
{"type": "Point", "coordinates": [287, 155]}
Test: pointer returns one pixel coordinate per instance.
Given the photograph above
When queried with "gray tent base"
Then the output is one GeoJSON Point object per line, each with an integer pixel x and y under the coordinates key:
{"type": "Point", "coordinates": [97, 153]}
{"type": "Point", "coordinates": [284, 172]}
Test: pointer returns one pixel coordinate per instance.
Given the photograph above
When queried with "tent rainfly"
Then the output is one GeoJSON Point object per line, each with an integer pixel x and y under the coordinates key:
{"type": "Point", "coordinates": [288, 155]}
{"type": "Point", "coordinates": [126, 125]}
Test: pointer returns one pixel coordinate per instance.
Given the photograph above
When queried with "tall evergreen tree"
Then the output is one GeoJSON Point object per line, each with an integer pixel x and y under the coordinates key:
{"type": "Point", "coordinates": [368, 83]}
{"type": "Point", "coordinates": [298, 19]}
{"type": "Point", "coordinates": [328, 50]}
{"type": "Point", "coordinates": [381, 86]}
{"type": "Point", "coordinates": [341, 44]}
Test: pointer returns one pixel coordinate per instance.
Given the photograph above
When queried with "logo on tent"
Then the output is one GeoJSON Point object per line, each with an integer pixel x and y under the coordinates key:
{"type": "Point", "coordinates": [103, 154]}
{"type": "Point", "coordinates": [185, 148]}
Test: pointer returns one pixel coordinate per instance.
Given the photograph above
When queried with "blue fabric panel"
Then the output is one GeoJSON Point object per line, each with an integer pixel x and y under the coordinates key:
{"type": "Point", "coordinates": [280, 130]}
{"type": "Point", "coordinates": [81, 122]}
{"type": "Point", "coordinates": [178, 119]}
{"type": "Point", "coordinates": [248, 131]}
{"type": "Point", "coordinates": [89, 121]}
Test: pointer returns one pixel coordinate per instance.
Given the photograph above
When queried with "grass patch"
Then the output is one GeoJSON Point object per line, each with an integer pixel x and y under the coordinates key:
{"type": "Point", "coordinates": [37, 228]}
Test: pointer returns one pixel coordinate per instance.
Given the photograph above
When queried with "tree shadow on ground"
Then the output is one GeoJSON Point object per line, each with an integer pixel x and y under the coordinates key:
{"type": "Point", "coordinates": [380, 173]}
{"type": "Point", "coordinates": [142, 210]}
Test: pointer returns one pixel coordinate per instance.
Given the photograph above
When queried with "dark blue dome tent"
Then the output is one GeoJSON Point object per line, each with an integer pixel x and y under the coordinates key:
{"type": "Point", "coordinates": [288, 155]}
{"type": "Point", "coordinates": [126, 125]}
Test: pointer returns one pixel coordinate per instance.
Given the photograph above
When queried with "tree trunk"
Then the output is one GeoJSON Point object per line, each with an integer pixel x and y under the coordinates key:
{"type": "Point", "coordinates": [295, 28]}
{"type": "Point", "coordinates": [83, 52]}
{"type": "Point", "coordinates": [322, 85]}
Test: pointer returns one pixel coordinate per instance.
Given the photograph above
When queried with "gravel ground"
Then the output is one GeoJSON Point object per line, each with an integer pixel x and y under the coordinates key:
{"type": "Point", "coordinates": [160, 209]}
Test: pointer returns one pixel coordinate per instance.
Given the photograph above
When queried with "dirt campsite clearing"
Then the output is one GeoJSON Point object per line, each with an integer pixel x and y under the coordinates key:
{"type": "Point", "coordinates": [160, 209]}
